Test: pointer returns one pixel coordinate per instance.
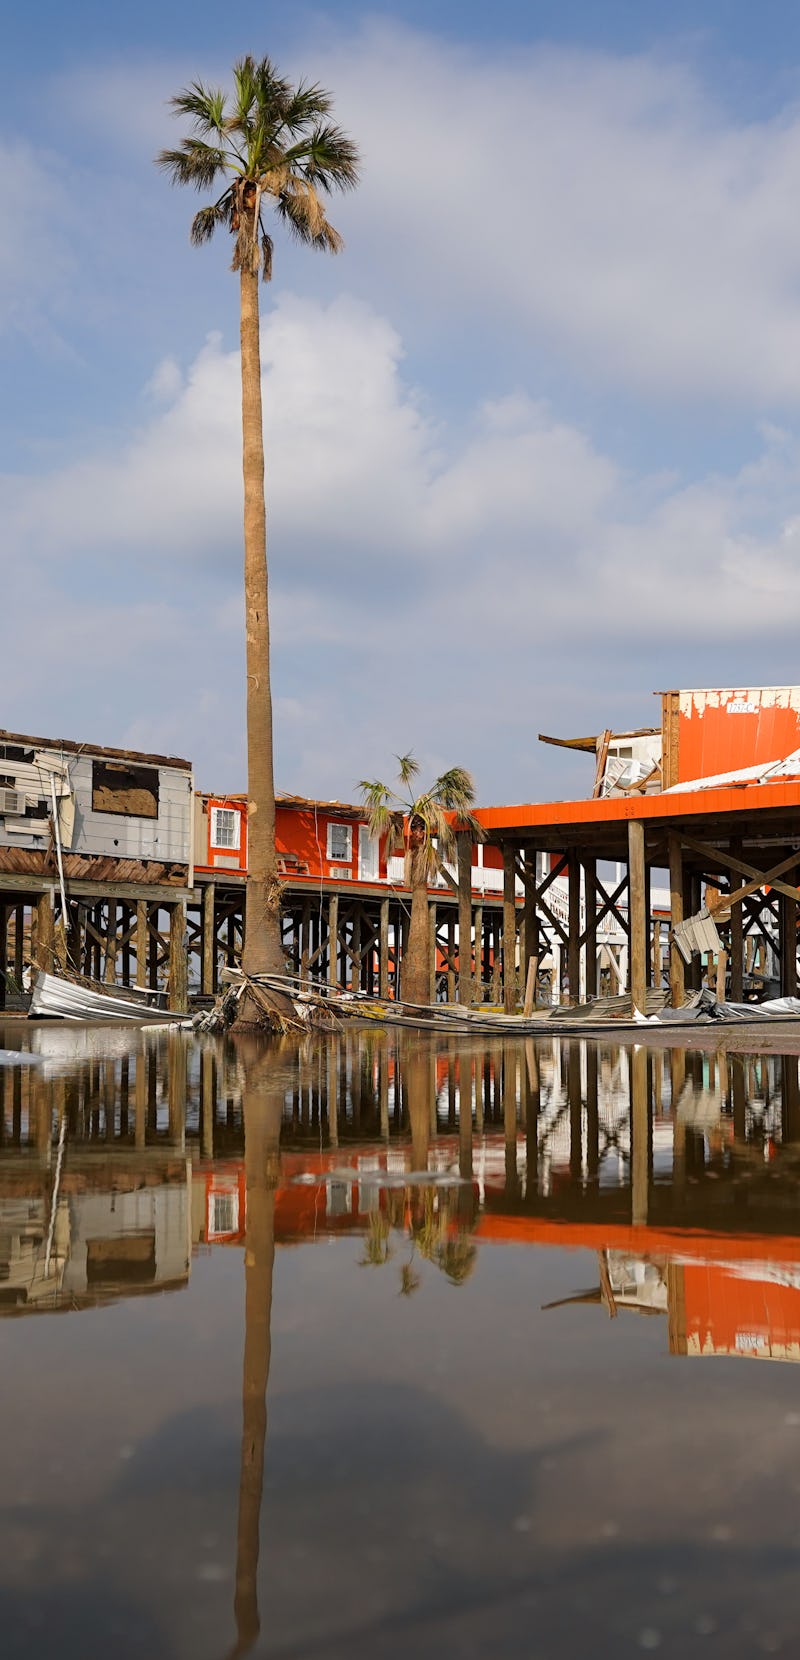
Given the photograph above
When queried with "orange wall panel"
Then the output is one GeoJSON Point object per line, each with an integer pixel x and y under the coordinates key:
{"type": "Point", "coordinates": [727, 1313]}
{"type": "Point", "coordinates": [720, 731]}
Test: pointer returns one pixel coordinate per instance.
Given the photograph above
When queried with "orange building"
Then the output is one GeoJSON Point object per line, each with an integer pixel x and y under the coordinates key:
{"type": "Point", "coordinates": [326, 841]}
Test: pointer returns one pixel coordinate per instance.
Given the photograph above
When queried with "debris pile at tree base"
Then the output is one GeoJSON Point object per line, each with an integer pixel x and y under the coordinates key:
{"type": "Point", "coordinates": [290, 1003]}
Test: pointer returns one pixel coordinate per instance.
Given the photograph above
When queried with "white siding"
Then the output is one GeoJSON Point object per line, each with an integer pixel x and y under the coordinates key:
{"type": "Point", "coordinates": [116, 835]}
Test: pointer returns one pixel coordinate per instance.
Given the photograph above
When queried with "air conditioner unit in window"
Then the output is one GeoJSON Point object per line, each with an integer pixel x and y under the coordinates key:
{"type": "Point", "coordinates": [12, 801]}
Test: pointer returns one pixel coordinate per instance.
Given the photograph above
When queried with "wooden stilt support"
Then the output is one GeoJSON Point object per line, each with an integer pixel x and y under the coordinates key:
{"type": "Point", "coordinates": [677, 983]}
{"type": "Point", "coordinates": [637, 913]}
{"type": "Point", "coordinates": [465, 990]}
{"type": "Point", "coordinates": [788, 913]}
{"type": "Point", "coordinates": [590, 904]}
{"type": "Point", "coordinates": [3, 951]}
{"type": "Point", "coordinates": [737, 936]}
{"type": "Point", "coordinates": [432, 918]}
{"type": "Point", "coordinates": [509, 931]}
{"type": "Point", "coordinates": [383, 950]}
{"type": "Point", "coordinates": [478, 981]}
{"type": "Point", "coordinates": [45, 932]}
{"type": "Point", "coordinates": [530, 923]}
{"type": "Point", "coordinates": [495, 935]}
{"type": "Point", "coordinates": [333, 940]}
{"type": "Point", "coordinates": [178, 967]}
{"type": "Point", "coordinates": [19, 935]}
{"type": "Point", "coordinates": [110, 974]}
{"type": "Point", "coordinates": [574, 939]}
{"type": "Point", "coordinates": [451, 957]}
{"type": "Point", "coordinates": [209, 955]}
{"type": "Point", "coordinates": [141, 943]}
{"type": "Point", "coordinates": [648, 915]}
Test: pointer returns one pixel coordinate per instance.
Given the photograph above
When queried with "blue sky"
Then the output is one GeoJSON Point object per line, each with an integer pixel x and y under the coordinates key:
{"type": "Point", "coordinates": [533, 446]}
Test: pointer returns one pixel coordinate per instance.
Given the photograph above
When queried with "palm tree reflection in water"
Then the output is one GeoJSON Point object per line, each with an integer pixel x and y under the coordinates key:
{"type": "Point", "coordinates": [439, 1219]}
{"type": "Point", "coordinates": [262, 1105]}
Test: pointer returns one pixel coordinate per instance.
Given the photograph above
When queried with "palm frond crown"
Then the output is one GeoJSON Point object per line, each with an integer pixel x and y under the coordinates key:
{"type": "Point", "coordinates": [271, 141]}
{"type": "Point", "coordinates": [439, 812]}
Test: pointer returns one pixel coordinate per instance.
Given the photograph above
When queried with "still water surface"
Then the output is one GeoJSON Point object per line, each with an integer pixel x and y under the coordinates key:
{"type": "Point", "coordinates": [506, 1304]}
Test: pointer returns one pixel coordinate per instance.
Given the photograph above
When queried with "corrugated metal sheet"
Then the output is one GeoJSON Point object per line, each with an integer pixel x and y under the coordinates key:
{"type": "Point", "coordinates": [722, 729]}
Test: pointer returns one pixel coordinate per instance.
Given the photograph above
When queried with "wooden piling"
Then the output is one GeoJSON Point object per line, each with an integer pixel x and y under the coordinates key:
{"type": "Point", "coordinates": [590, 906]}
{"type": "Point", "coordinates": [45, 932]}
{"type": "Point", "coordinates": [530, 920]}
{"type": "Point", "coordinates": [478, 981]}
{"type": "Point", "coordinates": [737, 935]}
{"type": "Point", "coordinates": [141, 943]}
{"type": "Point", "coordinates": [19, 935]}
{"type": "Point", "coordinates": [110, 966]}
{"type": "Point", "coordinates": [509, 930]}
{"type": "Point", "coordinates": [637, 914]}
{"type": "Point", "coordinates": [677, 981]}
{"type": "Point", "coordinates": [788, 916]}
{"type": "Point", "coordinates": [178, 966]}
{"type": "Point", "coordinates": [209, 955]}
{"type": "Point", "coordinates": [333, 940]}
{"type": "Point", "coordinates": [574, 932]}
{"type": "Point", "coordinates": [383, 949]}
{"type": "Point", "coordinates": [465, 984]}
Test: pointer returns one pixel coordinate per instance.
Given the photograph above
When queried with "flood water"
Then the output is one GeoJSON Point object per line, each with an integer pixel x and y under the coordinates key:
{"type": "Point", "coordinates": [526, 1319]}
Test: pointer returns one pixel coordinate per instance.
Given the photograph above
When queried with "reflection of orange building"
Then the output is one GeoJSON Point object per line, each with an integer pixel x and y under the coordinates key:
{"type": "Point", "coordinates": [723, 1294]}
{"type": "Point", "coordinates": [335, 1191]}
{"type": "Point", "coordinates": [737, 1308]}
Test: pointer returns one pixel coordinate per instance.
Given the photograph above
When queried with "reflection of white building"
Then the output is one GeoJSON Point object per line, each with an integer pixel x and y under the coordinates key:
{"type": "Point", "coordinates": [121, 1241]}
{"type": "Point", "coordinates": [99, 1244]}
{"type": "Point", "coordinates": [26, 1277]}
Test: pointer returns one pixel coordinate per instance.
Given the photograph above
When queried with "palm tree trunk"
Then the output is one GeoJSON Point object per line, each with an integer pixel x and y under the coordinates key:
{"type": "Point", "coordinates": [262, 1105]}
{"type": "Point", "coordinates": [262, 944]}
{"type": "Point", "coordinates": [416, 970]}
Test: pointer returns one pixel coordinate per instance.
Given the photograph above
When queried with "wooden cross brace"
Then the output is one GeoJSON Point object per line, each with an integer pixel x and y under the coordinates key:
{"type": "Point", "coordinates": [760, 878]}
{"type": "Point", "coordinates": [536, 893]}
{"type": "Point", "coordinates": [610, 903]}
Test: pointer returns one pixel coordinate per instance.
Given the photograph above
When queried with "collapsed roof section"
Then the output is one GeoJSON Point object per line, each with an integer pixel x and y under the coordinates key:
{"type": "Point", "coordinates": [712, 738]}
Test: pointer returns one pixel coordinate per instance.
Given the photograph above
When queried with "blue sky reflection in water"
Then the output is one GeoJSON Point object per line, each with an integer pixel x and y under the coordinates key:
{"type": "Point", "coordinates": [451, 1465]}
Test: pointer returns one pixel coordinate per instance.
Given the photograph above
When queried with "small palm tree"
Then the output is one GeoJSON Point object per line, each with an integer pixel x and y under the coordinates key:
{"type": "Point", "coordinates": [271, 146]}
{"type": "Point", "coordinates": [425, 827]}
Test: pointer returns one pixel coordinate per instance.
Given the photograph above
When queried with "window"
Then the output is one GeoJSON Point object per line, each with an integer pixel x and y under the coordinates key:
{"type": "Point", "coordinates": [225, 827]}
{"type": "Point", "coordinates": [118, 787]}
{"type": "Point", "coordinates": [225, 1212]}
{"type": "Point", "coordinates": [340, 842]}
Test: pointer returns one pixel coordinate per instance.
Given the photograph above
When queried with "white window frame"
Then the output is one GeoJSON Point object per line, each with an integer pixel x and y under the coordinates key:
{"type": "Point", "coordinates": [236, 828]}
{"type": "Point", "coordinates": [223, 1197]}
{"type": "Point", "coordinates": [340, 858]}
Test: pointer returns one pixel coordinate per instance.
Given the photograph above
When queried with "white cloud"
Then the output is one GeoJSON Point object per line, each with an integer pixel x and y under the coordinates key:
{"type": "Point", "coordinates": [599, 208]}
{"type": "Point", "coordinates": [603, 203]}
{"type": "Point", "coordinates": [467, 585]}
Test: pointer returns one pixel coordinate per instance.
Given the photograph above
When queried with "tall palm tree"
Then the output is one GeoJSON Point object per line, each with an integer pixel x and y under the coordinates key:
{"type": "Point", "coordinates": [272, 145]}
{"type": "Point", "coordinates": [425, 827]}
